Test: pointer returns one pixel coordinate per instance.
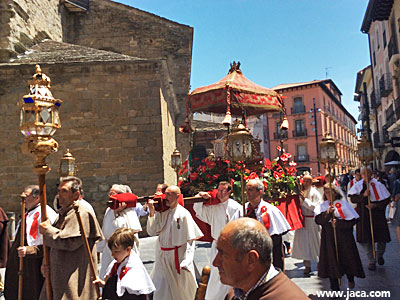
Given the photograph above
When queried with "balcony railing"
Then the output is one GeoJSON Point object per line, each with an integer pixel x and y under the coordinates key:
{"type": "Point", "coordinates": [277, 135]}
{"type": "Point", "coordinates": [299, 133]}
{"type": "Point", "coordinates": [385, 134]}
{"type": "Point", "coordinates": [377, 142]}
{"type": "Point", "coordinates": [301, 158]}
{"type": "Point", "coordinates": [385, 85]}
{"type": "Point", "coordinates": [392, 47]}
{"type": "Point", "coordinates": [389, 114]}
{"type": "Point", "coordinates": [298, 110]}
{"type": "Point", "coordinates": [397, 109]}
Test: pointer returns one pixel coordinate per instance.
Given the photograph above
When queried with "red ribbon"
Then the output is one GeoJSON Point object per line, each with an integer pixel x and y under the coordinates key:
{"type": "Point", "coordinates": [35, 224]}
{"type": "Point", "coordinates": [123, 272]}
{"type": "Point", "coordinates": [351, 183]}
{"type": "Point", "coordinates": [265, 217]}
{"type": "Point", "coordinates": [339, 209]}
{"type": "Point", "coordinates": [114, 269]}
{"type": "Point", "coordinates": [375, 191]}
{"type": "Point", "coordinates": [177, 266]}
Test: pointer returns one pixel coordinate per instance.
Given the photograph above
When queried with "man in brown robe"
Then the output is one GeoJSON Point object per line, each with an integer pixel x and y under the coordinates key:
{"type": "Point", "coordinates": [244, 262]}
{"type": "Point", "coordinates": [69, 271]}
{"type": "Point", "coordinates": [379, 198]}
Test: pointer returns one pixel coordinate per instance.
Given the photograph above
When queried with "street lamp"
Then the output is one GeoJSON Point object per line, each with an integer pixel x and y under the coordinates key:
{"type": "Point", "coordinates": [365, 155]}
{"type": "Point", "coordinates": [239, 148]}
{"type": "Point", "coordinates": [328, 155]}
{"type": "Point", "coordinates": [67, 165]}
{"type": "Point", "coordinates": [176, 162]}
{"type": "Point", "coordinates": [315, 110]}
{"type": "Point", "coordinates": [39, 119]}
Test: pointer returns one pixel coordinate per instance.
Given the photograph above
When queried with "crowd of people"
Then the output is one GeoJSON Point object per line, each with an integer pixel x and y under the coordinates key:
{"type": "Point", "coordinates": [247, 252]}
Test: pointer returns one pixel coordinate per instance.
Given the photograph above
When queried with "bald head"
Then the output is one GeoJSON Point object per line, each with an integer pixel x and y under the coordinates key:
{"type": "Point", "coordinates": [246, 234]}
{"type": "Point", "coordinates": [171, 196]}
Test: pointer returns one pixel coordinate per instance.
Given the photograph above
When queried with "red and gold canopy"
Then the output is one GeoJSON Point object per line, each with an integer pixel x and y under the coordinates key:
{"type": "Point", "coordinates": [235, 93]}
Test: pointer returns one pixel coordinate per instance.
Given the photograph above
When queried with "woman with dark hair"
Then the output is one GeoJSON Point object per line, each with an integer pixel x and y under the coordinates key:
{"type": "Point", "coordinates": [343, 217]}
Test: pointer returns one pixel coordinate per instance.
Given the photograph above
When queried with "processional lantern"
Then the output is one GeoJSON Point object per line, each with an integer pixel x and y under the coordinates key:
{"type": "Point", "coordinates": [176, 160]}
{"type": "Point", "coordinates": [365, 153]}
{"type": "Point", "coordinates": [328, 152]}
{"type": "Point", "coordinates": [39, 119]}
{"type": "Point", "coordinates": [67, 165]}
{"type": "Point", "coordinates": [285, 123]}
{"type": "Point", "coordinates": [239, 144]}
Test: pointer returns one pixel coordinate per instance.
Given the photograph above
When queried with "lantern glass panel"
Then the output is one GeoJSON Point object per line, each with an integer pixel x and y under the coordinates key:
{"type": "Point", "coordinates": [45, 115]}
{"type": "Point", "coordinates": [29, 116]}
{"type": "Point", "coordinates": [367, 151]}
{"type": "Point", "coordinates": [248, 148]}
{"type": "Point", "coordinates": [72, 168]}
{"type": "Point", "coordinates": [237, 150]}
{"type": "Point", "coordinates": [64, 167]}
{"type": "Point", "coordinates": [56, 118]}
{"type": "Point", "coordinates": [332, 153]}
{"type": "Point", "coordinates": [21, 117]}
{"type": "Point", "coordinates": [324, 153]}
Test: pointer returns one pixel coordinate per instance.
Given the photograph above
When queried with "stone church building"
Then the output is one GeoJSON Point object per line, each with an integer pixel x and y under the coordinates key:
{"type": "Point", "coordinates": [123, 75]}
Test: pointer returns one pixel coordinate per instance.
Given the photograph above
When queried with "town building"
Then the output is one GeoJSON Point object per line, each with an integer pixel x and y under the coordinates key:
{"type": "Point", "coordinates": [313, 108]}
{"type": "Point", "coordinates": [123, 75]}
{"type": "Point", "coordinates": [380, 111]}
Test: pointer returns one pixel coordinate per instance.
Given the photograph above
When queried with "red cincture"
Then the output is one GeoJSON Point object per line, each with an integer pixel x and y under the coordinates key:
{"type": "Point", "coordinates": [375, 191]}
{"type": "Point", "coordinates": [35, 224]}
{"type": "Point", "coordinates": [339, 209]}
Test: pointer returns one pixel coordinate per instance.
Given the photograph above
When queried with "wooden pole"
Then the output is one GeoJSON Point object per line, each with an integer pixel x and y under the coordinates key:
{"type": "Point", "coordinates": [201, 290]}
{"type": "Point", "coordinates": [46, 257]}
{"type": "Point", "coordinates": [331, 179]}
{"type": "Point", "coordinates": [87, 247]}
{"type": "Point", "coordinates": [370, 214]}
{"type": "Point", "coordinates": [243, 187]}
{"type": "Point", "coordinates": [22, 244]}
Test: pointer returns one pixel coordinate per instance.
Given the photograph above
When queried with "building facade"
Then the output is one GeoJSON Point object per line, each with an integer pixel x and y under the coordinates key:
{"type": "Point", "coordinates": [123, 75]}
{"type": "Point", "coordinates": [382, 24]}
{"type": "Point", "coordinates": [313, 108]}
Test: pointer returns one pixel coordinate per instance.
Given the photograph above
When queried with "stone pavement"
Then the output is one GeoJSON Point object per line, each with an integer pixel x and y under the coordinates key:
{"type": "Point", "coordinates": [385, 278]}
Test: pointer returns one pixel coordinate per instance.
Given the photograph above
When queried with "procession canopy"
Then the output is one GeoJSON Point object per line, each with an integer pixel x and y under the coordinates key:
{"type": "Point", "coordinates": [235, 93]}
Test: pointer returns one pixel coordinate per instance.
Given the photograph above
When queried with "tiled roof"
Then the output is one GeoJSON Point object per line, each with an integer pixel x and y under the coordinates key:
{"type": "Point", "coordinates": [49, 51]}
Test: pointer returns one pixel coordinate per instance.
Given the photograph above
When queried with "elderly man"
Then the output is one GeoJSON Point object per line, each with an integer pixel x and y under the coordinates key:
{"type": "Point", "coordinates": [244, 262]}
{"type": "Point", "coordinates": [379, 198]}
{"type": "Point", "coordinates": [217, 215]}
{"type": "Point", "coordinates": [121, 217]}
{"type": "Point", "coordinates": [307, 240]}
{"type": "Point", "coordinates": [267, 214]}
{"type": "Point", "coordinates": [173, 273]}
{"type": "Point", "coordinates": [32, 251]}
{"type": "Point", "coordinates": [70, 273]}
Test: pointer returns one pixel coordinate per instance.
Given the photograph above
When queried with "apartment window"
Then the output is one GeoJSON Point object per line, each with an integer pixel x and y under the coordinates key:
{"type": "Point", "coordinates": [277, 133]}
{"type": "Point", "coordinates": [301, 151]}
{"type": "Point", "coordinates": [299, 129]}
{"type": "Point", "coordinates": [298, 106]}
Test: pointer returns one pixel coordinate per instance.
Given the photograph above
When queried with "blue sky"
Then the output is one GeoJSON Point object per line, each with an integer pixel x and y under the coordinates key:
{"type": "Point", "coordinates": [276, 41]}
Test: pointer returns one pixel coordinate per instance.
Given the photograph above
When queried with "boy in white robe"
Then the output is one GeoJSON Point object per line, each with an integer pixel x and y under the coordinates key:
{"type": "Point", "coordinates": [173, 274]}
{"type": "Point", "coordinates": [126, 276]}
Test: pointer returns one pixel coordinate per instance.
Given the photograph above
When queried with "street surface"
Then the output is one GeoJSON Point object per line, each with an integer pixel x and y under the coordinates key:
{"type": "Point", "coordinates": [385, 278]}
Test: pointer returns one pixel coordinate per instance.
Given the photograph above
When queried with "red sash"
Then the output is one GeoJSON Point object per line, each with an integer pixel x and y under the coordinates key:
{"type": "Point", "coordinates": [177, 266]}
{"type": "Point", "coordinates": [351, 183]}
{"type": "Point", "coordinates": [375, 191]}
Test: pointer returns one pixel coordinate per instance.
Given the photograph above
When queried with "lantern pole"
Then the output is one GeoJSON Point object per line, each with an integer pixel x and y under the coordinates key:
{"type": "Point", "coordinates": [22, 244]}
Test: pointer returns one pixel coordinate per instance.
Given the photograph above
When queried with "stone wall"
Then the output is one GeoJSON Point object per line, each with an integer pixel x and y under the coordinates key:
{"type": "Point", "coordinates": [25, 23]}
{"type": "Point", "coordinates": [111, 121]}
{"type": "Point", "coordinates": [123, 29]}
